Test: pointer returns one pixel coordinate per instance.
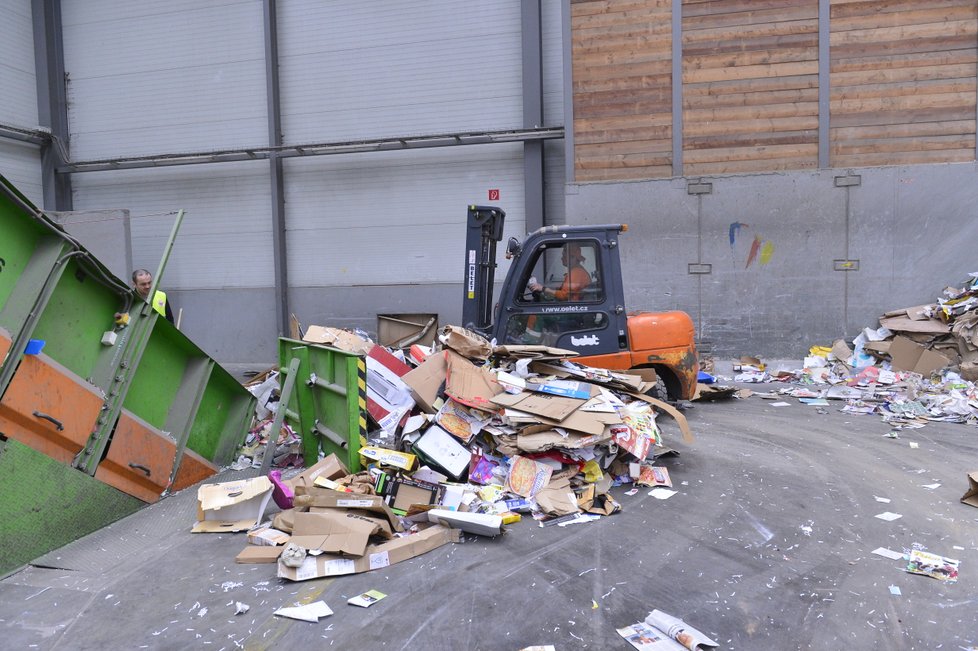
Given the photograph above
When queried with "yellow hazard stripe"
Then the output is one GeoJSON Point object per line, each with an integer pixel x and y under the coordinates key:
{"type": "Point", "coordinates": [362, 397]}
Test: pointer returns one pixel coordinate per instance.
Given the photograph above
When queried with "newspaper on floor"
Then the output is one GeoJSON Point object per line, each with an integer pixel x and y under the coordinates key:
{"type": "Point", "coordinates": [663, 632]}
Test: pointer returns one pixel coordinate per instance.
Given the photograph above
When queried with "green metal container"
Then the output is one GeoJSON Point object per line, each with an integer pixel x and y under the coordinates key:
{"type": "Point", "coordinates": [105, 417]}
{"type": "Point", "coordinates": [328, 405]}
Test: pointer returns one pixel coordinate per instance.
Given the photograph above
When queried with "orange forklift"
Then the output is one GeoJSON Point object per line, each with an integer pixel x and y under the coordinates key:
{"type": "Point", "coordinates": [564, 289]}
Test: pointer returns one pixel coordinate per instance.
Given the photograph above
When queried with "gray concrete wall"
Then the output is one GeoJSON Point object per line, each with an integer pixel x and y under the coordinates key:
{"type": "Point", "coordinates": [912, 229]}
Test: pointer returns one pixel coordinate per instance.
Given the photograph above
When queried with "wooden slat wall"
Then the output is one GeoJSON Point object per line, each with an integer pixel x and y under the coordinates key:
{"type": "Point", "coordinates": [622, 71]}
{"type": "Point", "coordinates": [750, 85]}
{"type": "Point", "coordinates": [902, 85]}
{"type": "Point", "coordinates": [903, 81]}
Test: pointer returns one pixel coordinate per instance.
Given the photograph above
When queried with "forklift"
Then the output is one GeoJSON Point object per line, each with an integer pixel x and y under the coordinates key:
{"type": "Point", "coordinates": [564, 289]}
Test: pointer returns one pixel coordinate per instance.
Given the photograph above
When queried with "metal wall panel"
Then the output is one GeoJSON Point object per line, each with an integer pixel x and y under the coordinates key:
{"type": "Point", "coordinates": [179, 76]}
{"type": "Point", "coordinates": [18, 101]}
{"type": "Point", "coordinates": [553, 64]}
{"type": "Point", "coordinates": [357, 69]}
{"type": "Point", "coordinates": [20, 162]}
{"type": "Point", "coordinates": [393, 218]}
{"type": "Point", "coordinates": [225, 239]}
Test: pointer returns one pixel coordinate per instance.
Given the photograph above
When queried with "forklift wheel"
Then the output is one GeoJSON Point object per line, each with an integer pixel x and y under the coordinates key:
{"type": "Point", "coordinates": [659, 391]}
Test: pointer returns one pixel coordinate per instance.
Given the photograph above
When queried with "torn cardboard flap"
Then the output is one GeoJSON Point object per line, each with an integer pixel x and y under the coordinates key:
{"type": "Point", "coordinates": [232, 506]}
{"type": "Point", "coordinates": [557, 498]}
{"type": "Point", "coordinates": [465, 342]}
{"type": "Point", "coordinates": [336, 338]}
{"type": "Point", "coordinates": [547, 438]}
{"type": "Point", "coordinates": [970, 496]}
{"type": "Point", "coordinates": [426, 382]}
{"type": "Point", "coordinates": [334, 532]}
{"type": "Point", "coordinates": [469, 384]}
{"type": "Point", "coordinates": [329, 467]}
{"type": "Point", "coordinates": [376, 556]}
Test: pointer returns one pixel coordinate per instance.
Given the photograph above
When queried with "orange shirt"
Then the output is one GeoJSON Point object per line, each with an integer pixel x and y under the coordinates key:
{"type": "Point", "coordinates": [575, 282]}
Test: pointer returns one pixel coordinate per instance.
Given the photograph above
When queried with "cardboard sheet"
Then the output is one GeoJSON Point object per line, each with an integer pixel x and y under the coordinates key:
{"type": "Point", "coordinates": [469, 384]}
{"type": "Point", "coordinates": [907, 355]}
{"type": "Point", "coordinates": [325, 498]}
{"type": "Point", "coordinates": [333, 531]}
{"type": "Point", "coordinates": [375, 558]}
{"type": "Point", "coordinates": [427, 380]}
{"type": "Point", "coordinates": [336, 338]}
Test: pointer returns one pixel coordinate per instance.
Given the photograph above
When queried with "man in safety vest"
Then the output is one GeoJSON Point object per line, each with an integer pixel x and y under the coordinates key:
{"type": "Point", "coordinates": [142, 280]}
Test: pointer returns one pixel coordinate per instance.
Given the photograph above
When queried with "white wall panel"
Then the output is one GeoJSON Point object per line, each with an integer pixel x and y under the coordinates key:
{"type": "Point", "coordinates": [164, 77]}
{"type": "Point", "coordinates": [394, 218]}
{"type": "Point", "coordinates": [355, 69]}
{"type": "Point", "coordinates": [20, 162]}
{"type": "Point", "coordinates": [225, 239]}
{"type": "Point", "coordinates": [18, 85]}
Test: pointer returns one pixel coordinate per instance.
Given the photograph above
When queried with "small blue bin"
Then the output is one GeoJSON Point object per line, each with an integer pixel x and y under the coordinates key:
{"type": "Point", "coordinates": [34, 346]}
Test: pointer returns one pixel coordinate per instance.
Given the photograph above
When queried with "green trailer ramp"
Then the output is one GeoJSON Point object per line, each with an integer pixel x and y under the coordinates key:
{"type": "Point", "coordinates": [106, 421]}
{"type": "Point", "coordinates": [328, 406]}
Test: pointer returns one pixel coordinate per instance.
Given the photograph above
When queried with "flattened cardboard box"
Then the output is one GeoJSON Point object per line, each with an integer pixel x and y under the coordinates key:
{"type": "Point", "coordinates": [334, 532]}
{"type": "Point", "coordinates": [327, 498]}
{"type": "Point", "coordinates": [375, 558]}
{"type": "Point", "coordinates": [232, 506]}
{"type": "Point", "coordinates": [907, 355]}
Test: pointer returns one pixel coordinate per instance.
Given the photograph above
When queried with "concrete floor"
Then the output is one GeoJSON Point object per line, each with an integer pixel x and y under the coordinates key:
{"type": "Point", "coordinates": [766, 546]}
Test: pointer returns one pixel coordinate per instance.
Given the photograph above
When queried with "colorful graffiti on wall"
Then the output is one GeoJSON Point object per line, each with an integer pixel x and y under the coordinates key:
{"type": "Point", "coordinates": [760, 251]}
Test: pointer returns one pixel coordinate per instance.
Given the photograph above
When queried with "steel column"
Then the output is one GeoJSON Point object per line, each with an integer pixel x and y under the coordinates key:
{"type": "Point", "coordinates": [276, 177]}
{"type": "Point", "coordinates": [532, 40]}
{"type": "Point", "coordinates": [52, 102]}
{"type": "Point", "coordinates": [568, 65]}
{"type": "Point", "coordinates": [824, 83]}
{"type": "Point", "coordinates": [677, 88]}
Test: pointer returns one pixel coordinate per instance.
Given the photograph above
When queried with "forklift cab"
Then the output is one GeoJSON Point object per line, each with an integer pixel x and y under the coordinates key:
{"type": "Point", "coordinates": [564, 290]}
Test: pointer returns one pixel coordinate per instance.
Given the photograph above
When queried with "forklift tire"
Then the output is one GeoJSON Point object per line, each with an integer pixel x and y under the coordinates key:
{"type": "Point", "coordinates": [659, 391]}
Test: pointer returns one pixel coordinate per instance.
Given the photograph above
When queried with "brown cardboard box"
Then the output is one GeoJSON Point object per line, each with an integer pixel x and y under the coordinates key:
{"type": "Point", "coordinates": [426, 381]}
{"type": "Point", "coordinates": [232, 506]}
{"type": "Point", "coordinates": [334, 532]}
{"type": "Point", "coordinates": [330, 499]}
{"type": "Point", "coordinates": [375, 558]}
{"type": "Point", "coordinates": [907, 355]}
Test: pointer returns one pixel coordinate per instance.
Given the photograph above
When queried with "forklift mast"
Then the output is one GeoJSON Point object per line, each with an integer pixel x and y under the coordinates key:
{"type": "Point", "coordinates": [484, 227]}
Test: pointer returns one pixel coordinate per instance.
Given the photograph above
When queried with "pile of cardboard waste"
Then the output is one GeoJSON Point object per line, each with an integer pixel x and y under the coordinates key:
{"type": "Point", "coordinates": [920, 365]}
{"type": "Point", "coordinates": [468, 438]}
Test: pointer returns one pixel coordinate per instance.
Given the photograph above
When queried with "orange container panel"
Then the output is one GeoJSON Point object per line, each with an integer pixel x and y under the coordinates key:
{"type": "Point", "coordinates": [193, 468]}
{"type": "Point", "coordinates": [4, 343]}
{"type": "Point", "coordinates": [49, 408]}
{"type": "Point", "coordinates": [139, 459]}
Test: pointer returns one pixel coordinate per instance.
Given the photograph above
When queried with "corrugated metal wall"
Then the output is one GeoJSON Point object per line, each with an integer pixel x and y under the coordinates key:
{"type": "Point", "coordinates": [189, 75]}
{"type": "Point", "coordinates": [150, 77]}
{"type": "Point", "coordinates": [19, 162]}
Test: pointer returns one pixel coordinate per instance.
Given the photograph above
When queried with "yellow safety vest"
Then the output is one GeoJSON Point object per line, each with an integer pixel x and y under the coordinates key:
{"type": "Point", "coordinates": [159, 302]}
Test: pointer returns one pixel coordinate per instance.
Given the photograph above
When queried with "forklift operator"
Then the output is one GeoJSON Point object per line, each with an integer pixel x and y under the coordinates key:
{"type": "Point", "coordinates": [576, 279]}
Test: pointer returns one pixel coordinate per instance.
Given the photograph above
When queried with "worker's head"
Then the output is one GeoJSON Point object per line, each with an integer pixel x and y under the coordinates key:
{"type": "Point", "coordinates": [142, 280]}
{"type": "Point", "coordinates": [571, 255]}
